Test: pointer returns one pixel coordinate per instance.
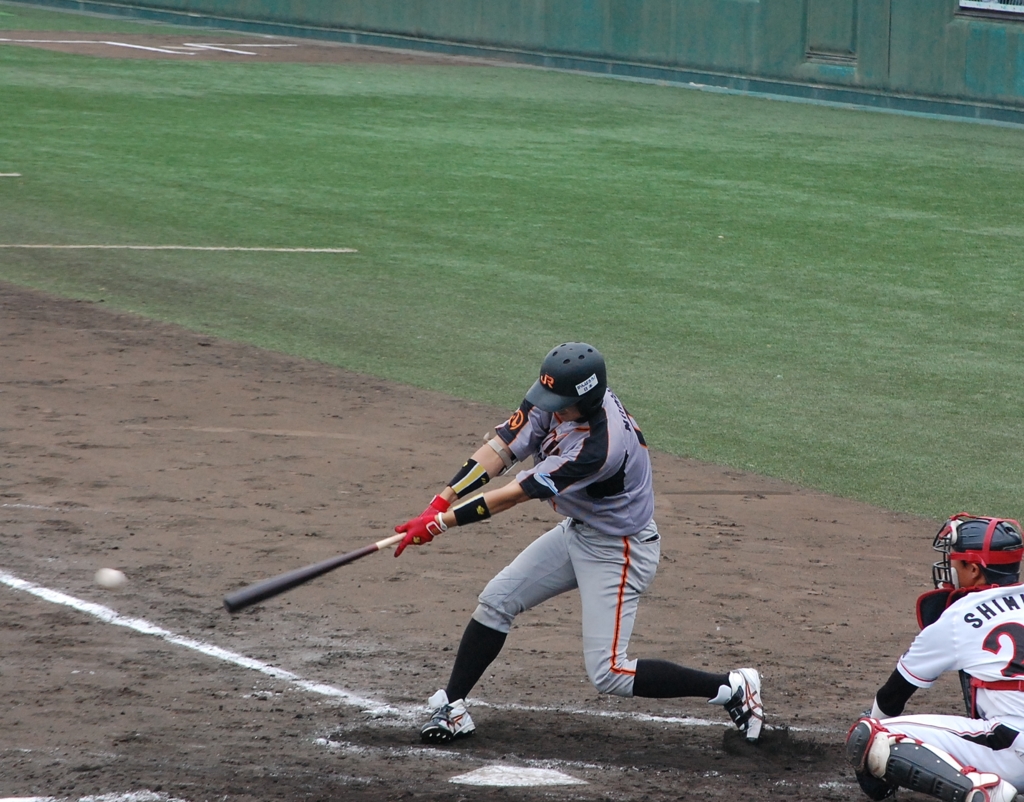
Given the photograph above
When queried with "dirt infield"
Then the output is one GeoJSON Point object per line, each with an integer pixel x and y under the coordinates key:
{"type": "Point", "coordinates": [197, 465]}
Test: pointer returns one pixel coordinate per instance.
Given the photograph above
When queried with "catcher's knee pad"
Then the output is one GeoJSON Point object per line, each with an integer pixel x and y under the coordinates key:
{"type": "Point", "coordinates": [867, 744]}
{"type": "Point", "coordinates": [862, 736]}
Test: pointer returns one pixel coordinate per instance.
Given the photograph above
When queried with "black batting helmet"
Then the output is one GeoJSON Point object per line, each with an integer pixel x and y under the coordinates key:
{"type": "Point", "coordinates": [571, 373]}
{"type": "Point", "coordinates": [995, 544]}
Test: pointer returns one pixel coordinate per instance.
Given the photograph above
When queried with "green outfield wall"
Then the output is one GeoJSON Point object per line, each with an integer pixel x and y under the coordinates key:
{"type": "Point", "coordinates": [926, 54]}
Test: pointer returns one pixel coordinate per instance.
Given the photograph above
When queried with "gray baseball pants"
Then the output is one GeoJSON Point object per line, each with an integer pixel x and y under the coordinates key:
{"type": "Point", "coordinates": [611, 573]}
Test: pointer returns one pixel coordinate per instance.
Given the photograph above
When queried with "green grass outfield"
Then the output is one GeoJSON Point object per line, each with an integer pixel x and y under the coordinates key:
{"type": "Point", "coordinates": [825, 295]}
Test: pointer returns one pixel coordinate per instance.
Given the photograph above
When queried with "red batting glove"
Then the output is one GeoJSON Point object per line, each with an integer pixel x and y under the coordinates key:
{"type": "Point", "coordinates": [424, 526]}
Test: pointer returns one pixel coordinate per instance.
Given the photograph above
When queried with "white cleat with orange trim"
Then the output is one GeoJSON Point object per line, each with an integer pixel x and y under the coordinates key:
{"type": "Point", "coordinates": [449, 720]}
{"type": "Point", "coordinates": [742, 701]}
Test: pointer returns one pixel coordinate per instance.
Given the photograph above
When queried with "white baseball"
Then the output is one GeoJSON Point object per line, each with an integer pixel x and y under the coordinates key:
{"type": "Point", "coordinates": [110, 578]}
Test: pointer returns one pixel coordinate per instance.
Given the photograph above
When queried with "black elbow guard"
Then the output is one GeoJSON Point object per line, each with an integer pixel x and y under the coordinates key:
{"type": "Point", "coordinates": [470, 478]}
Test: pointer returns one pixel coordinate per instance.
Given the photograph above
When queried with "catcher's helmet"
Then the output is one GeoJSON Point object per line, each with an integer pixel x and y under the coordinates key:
{"type": "Point", "coordinates": [993, 543]}
{"type": "Point", "coordinates": [571, 373]}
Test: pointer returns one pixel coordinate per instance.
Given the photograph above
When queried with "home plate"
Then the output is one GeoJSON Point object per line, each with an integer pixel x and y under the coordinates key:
{"type": "Point", "coordinates": [507, 776]}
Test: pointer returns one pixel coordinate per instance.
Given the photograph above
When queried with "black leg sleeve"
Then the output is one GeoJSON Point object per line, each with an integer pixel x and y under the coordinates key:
{"type": "Point", "coordinates": [480, 645]}
{"type": "Point", "coordinates": [660, 679]}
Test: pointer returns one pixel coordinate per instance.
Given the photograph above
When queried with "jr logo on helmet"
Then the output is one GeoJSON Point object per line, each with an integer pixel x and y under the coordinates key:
{"type": "Point", "coordinates": [586, 385]}
{"type": "Point", "coordinates": [548, 380]}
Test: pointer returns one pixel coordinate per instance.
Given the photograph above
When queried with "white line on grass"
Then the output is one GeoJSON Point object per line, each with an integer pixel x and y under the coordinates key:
{"type": "Point", "coordinates": [101, 42]}
{"type": "Point", "coordinates": [53, 41]}
{"type": "Point", "coordinates": [184, 49]}
{"type": "Point", "coordinates": [235, 44]}
{"type": "Point", "coordinates": [95, 42]}
{"type": "Point", "coordinates": [150, 49]}
{"type": "Point", "coordinates": [9, 175]}
{"type": "Point", "coordinates": [221, 48]}
{"type": "Point", "coordinates": [181, 248]}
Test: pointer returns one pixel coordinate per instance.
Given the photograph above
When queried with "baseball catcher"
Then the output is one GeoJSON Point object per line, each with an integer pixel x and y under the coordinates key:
{"type": "Point", "coordinates": [590, 463]}
{"type": "Point", "coordinates": [973, 622]}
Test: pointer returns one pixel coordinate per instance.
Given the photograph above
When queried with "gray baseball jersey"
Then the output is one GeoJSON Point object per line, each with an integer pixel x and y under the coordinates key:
{"type": "Point", "coordinates": [597, 471]}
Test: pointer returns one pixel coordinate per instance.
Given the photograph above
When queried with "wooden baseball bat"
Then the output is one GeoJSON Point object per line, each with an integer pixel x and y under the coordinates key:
{"type": "Point", "coordinates": [258, 591]}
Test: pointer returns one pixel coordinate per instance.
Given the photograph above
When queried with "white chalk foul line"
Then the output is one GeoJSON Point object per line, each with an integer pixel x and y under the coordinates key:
{"type": "Point", "coordinates": [235, 44]}
{"type": "Point", "coordinates": [182, 248]}
{"type": "Point", "coordinates": [95, 42]}
{"type": "Point", "coordinates": [185, 49]}
{"type": "Point", "coordinates": [9, 175]}
{"type": "Point", "coordinates": [221, 48]}
{"type": "Point", "coordinates": [144, 627]}
{"type": "Point", "coordinates": [403, 712]}
{"type": "Point", "coordinates": [133, 796]}
{"type": "Point", "coordinates": [150, 49]}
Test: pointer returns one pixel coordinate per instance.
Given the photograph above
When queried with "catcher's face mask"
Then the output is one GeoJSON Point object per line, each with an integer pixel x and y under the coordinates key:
{"type": "Point", "coordinates": [990, 542]}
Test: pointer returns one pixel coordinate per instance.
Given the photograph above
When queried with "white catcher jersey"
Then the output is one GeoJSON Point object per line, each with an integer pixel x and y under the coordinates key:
{"type": "Point", "coordinates": [982, 634]}
{"type": "Point", "coordinates": [597, 471]}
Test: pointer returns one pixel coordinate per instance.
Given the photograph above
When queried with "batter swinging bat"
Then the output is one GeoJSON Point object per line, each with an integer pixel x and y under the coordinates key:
{"type": "Point", "coordinates": [257, 592]}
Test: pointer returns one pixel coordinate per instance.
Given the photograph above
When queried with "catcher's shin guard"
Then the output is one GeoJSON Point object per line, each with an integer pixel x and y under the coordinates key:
{"type": "Point", "coordinates": [918, 768]}
{"type": "Point", "coordinates": [924, 768]}
{"type": "Point", "coordinates": [884, 761]}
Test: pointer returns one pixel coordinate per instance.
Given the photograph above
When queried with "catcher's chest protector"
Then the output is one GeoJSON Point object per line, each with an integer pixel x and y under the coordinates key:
{"type": "Point", "coordinates": [933, 603]}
